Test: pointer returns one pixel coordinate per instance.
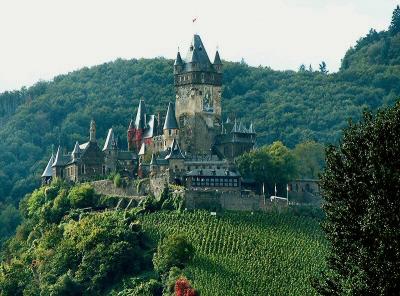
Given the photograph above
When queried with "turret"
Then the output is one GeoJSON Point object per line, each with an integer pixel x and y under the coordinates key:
{"type": "Point", "coordinates": [136, 128]}
{"type": "Point", "coordinates": [171, 128]}
{"type": "Point", "coordinates": [58, 164]}
{"type": "Point", "coordinates": [76, 153]}
{"type": "Point", "coordinates": [92, 137]}
{"type": "Point", "coordinates": [131, 135]}
{"type": "Point", "coordinates": [217, 63]}
{"type": "Point", "coordinates": [48, 173]}
{"type": "Point", "coordinates": [178, 65]}
{"type": "Point", "coordinates": [196, 68]}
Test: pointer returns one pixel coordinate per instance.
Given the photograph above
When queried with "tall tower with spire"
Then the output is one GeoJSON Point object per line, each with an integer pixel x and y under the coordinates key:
{"type": "Point", "coordinates": [198, 85]}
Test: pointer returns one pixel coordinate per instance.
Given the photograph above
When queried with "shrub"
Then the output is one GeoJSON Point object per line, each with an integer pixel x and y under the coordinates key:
{"type": "Point", "coordinates": [172, 251]}
{"type": "Point", "coordinates": [82, 196]}
{"type": "Point", "coordinates": [117, 180]}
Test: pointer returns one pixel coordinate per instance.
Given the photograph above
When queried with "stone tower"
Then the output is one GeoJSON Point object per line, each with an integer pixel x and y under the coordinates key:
{"type": "Point", "coordinates": [198, 97]}
{"type": "Point", "coordinates": [170, 128]}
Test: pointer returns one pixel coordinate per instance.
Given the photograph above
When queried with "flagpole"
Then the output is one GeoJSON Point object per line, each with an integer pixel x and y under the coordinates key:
{"type": "Point", "coordinates": [263, 192]}
{"type": "Point", "coordinates": [287, 193]}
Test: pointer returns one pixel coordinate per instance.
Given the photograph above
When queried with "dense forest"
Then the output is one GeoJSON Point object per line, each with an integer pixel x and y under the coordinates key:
{"type": "Point", "coordinates": [289, 106]}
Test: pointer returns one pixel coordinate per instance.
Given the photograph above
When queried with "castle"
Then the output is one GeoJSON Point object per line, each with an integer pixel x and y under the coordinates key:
{"type": "Point", "coordinates": [193, 147]}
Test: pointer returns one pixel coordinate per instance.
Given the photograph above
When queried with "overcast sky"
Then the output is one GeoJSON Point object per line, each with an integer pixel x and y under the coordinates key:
{"type": "Point", "coordinates": [42, 38]}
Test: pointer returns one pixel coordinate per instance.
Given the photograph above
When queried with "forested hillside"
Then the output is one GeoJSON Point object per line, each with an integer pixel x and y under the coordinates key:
{"type": "Point", "coordinates": [284, 105]}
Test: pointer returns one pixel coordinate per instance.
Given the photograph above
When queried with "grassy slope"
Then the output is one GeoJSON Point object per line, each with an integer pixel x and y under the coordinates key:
{"type": "Point", "coordinates": [244, 254]}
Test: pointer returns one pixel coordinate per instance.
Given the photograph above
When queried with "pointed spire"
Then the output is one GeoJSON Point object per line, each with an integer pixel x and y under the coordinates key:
{"type": "Point", "coordinates": [228, 120]}
{"type": "Point", "coordinates": [110, 141]}
{"type": "Point", "coordinates": [140, 121]}
{"type": "Point", "coordinates": [235, 128]}
{"type": "Point", "coordinates": [48, 171]}
{"type": "Point", "coordinates": [178, 61]}
{"type": "Point", "coordinates": [217, 59]}
{"type": "Point", "coordinates": [131, 124]}
{"type": "Point", "coordinates": [242, 129]}
{"type": "Point", "coordinates": [58, 158]}
{"type": "Point", "coordinates": [251, 128]}
{"type": "Point", "coordinates": [92, 137]}
{"type": "Point", "coordinates": [197, 58]}
{"type": "Point", "coordinates": [77, 151]}
{"type": "Point", "coordinates": [175, 151]}
{"type": "Point", "coordinates": [170, 118]}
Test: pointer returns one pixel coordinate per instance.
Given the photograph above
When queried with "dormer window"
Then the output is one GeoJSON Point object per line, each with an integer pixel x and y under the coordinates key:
{"type": "Point", "coordinates": [191, 47]}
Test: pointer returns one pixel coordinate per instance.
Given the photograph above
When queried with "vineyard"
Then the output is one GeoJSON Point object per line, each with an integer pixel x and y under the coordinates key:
{"type": "Point", "coordinates": [245, 254]}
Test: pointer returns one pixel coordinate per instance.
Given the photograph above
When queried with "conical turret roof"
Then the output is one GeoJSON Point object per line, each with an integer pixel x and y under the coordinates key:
{"type": "Point", "coordinates": [48, 171]}
{"type": "Point", "coordinates": [108, 145]}
{"type": "Point", "coordinates": [217, 59]}
{"type": "Point", "coordinates": [175, 151]}
{"type": "Point", "coordinates": [170, 118]}
{"type": "Point", "coordinates": [178, 60]}
{"type": "Point", "coordinates": [197, 58]}
{"type": "Point", "coordinates": [77, 149]}
{"type": "Point", "coordinates": [140, 121]}
{"type": "Point", "coordinates": [58, 160]}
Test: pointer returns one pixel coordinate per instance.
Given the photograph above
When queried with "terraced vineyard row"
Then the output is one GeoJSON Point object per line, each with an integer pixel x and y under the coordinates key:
{"type": "Point", "coordinates": [244, 254]}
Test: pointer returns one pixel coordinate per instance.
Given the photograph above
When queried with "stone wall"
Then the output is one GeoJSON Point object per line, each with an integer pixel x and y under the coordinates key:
{"type": "Point", "coordinates": [227, 200]}
{"type": "Point", "coordinates": [158, 181]}
{"type": "Point", "coordinates": [107, 187]}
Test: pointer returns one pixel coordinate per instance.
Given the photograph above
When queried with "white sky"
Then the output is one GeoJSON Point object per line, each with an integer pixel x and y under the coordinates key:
{"type": "Point", "coordinates": [43, 38]}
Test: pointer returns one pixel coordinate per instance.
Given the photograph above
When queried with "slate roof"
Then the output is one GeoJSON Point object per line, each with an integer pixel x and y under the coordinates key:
{"type": "Point", "coordinates": [178, 60]}
{"type": "Point", "coordinates": [108, 145]}
{"type": "Point", "coordinates": [48, 171]}
{"type": "Point", "coordinates": [140, 121]}
{"type": "Point", "coordinates": [175, 151]}
{"type": "Point", "coordinates": [149, 131]}
{"type": "Point", "coordinates": [77, 149]}
{"type": "Point", "coordinates": [217, 59]}
{"type": "Point", "coordinates": [59, 159]}
{"type": "Point", "coordinates": [170, 118]}
{"type": "Point", "coordinates": [83, 146]}
{"type": "Point", "coordinates": [197, 58]}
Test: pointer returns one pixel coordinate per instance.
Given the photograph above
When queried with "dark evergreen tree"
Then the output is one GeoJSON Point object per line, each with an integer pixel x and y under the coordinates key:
{"type": "Point", "coordinates": [394, 27]}
{"type": "Point", "coordinates": [322, 68]}
{"type": "Point", "coordinates": [302, 68]}
{"type": "Point", "coordinates": [362, 205]}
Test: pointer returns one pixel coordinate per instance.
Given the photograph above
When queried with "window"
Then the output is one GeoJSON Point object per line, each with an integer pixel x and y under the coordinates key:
{"type": "Point", "coordinates": [104, 169]}
{"type": "Point", "coordinates": [83, 169]}
{"type": "Point", "coordinates": [212, 182]}
{"type": "Point", "coordinates": [170, 132]}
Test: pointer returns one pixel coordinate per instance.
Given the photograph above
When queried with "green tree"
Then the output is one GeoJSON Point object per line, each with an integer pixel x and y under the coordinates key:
{"type": "Point", "coordinates": [310, 159]}
{"type": "Point", "coordinates": [173, 251]}
{"type": "Point", "coordinates": [323, 68]}
{"type": "Point", "coordinates": [271, 164]}
{"type": "Point", "coordinates": [302, 68]}
{"type": "Point", "coordinates": [394, 27]}
{"type": "Point", "coordinates": [82, 196]}
{"type": "Point", "coordinates": [362, 205]}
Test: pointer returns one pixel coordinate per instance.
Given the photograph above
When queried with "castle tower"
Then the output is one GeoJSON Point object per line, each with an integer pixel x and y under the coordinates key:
{"type": "Point", "coordinates": [170, 128]}
{"type": "Point", "coordinates": [92, 137]}
{"type": "Point", "coordinates": [198, 97]}
{"type": "Point", "coordinates": [136, 129]}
